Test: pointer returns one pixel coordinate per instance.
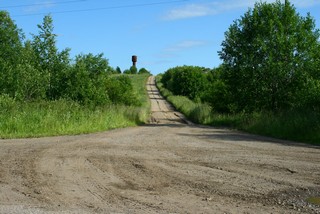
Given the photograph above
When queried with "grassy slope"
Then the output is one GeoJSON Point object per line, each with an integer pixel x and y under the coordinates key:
{"type": "Point", "coordinates": [18, 120]}
{"type": "Point", "coordinates": [301, 126]}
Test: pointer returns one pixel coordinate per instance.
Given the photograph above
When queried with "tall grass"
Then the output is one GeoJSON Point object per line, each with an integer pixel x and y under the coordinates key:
{"type": "Point", "coordinates": [141, 113]}
{"type": "Point", "coordinates": [58, 118]}
{"type": "Point", "coordinates": [299, 125]}
{"type": "Point", "coordinates": [62, 117]}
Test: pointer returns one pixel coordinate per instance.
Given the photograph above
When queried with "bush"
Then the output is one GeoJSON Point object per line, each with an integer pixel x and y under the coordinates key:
{"type": "Point", "coordinates": [187, 81]}
{"type": "Point", "coordinates": [219, 97]}
{"type": "Point", "coordinates": [84, 88]}
{"type": "Point", "coordinates": [7, 103]}
{"type": "Point", "coordinates": [144, 71]}
{"type": "Point", "coordinates": [120, 90]}
{"type": "Point", "coordinates": [32, 83]}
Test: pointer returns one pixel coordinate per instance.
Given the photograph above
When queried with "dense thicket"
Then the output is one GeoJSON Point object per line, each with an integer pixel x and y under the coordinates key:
{"type": "Point", "coordinates": [190, 81]}
{"type": "Point", "coordinates": [36, 70]}
{"type": "Point", "coordinates": [271, 59]}
{"type": "Point", "coordinates": [271, 62]}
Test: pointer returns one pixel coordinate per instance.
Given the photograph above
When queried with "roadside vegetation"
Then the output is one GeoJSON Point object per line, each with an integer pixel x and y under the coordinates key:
{"type": "Point", "coordinates": [269, 82]}
{"type": "Point", "coordinates": [43, 92]}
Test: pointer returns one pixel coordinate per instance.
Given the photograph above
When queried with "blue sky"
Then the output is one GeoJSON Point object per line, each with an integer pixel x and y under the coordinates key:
{"type": "Point", "coordinates": [162, 33]}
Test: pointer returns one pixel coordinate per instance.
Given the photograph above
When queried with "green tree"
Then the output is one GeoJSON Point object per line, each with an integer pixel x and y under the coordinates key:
{"type": "Point", "coordinates": [10, 51]}
{"type": "Point", "coordinates": [217, 93]}
{"type": "Point", "coordinates": [167, 77]}
{"type": "Point", "coordinates": [133, 70]}
{"type": "Point", "coordinates": [268, 54]}
{"type": "Point", "coordinates": [10, 39]}
{"type": "Point", "coordinates": [81, 86]}
{"type": "Point", "coordinates": [31, 82]}
{"type": "Point", "coordinates": [120, 90]}
{"type": "Point", "coordinates": [118, 70]}
{"type": "Point", "coordinates": [143, 71]}
{"type": "Point", "coordinates": [48, 59]}
{"type": "Point", "coordinates": [187, 81]}
{"type": "Point", "coordinates": [94, 64]}
{"type": "Point", "coordinates": [127, 71]}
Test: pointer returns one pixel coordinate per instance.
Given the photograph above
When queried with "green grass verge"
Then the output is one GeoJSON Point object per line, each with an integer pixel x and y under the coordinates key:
{"type": "Point", "coordinates": [62, 117]}
{"type": "Point", "coordinates": [141, 113]}
{"type": "Point", "coordinates": [296, 125]}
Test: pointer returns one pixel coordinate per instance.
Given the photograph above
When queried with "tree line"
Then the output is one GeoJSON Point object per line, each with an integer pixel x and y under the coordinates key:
{"type": "Point", "coordinates": [35, 69]}
{"type": "Point", "coordinates": [271, 62]}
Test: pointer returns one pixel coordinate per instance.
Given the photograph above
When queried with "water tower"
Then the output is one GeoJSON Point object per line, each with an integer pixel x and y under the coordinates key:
{"type": "Point", "coordinates": [134, 60]}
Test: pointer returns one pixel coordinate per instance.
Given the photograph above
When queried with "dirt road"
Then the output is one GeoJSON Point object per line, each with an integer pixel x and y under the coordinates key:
{"type": "Point", "coordinates": [165, 167]}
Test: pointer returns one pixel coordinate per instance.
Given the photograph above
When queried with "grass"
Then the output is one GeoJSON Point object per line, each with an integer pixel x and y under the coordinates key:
{"type": "Point", "coordinates": [62, 117]}
{"type": "Point", "coordinates": [142, 112]}
{"type": "Point", "coordinates": [297, 125]}
{"type": "Point", "coordinates": [314, 200]}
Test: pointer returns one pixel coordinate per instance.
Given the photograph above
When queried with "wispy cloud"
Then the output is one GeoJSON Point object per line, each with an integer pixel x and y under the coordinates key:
{"type": "Point", "coordinates": [218, 7]}
{"type": "Point", "coordinates": [187, 44]}
{"type": "Point", "coordinates": [189, 11]}
{"type": "Point", "coordinates": [38, 6]}
{"type": "Point", "coordinates": [205, 9]}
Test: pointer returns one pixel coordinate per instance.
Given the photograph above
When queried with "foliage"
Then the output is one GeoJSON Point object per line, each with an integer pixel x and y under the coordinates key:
{"type": "Point", "coordinates": [10, 39]}
{"type": "Point", "coordinates": [133, 70]}
{"type": "Point", "coordinates": [80, 86]}
{"type": "Point", "coordinates": [190, 81]}
{"type": "Point", "coordinates": [120, 90]}
{"type": "Point", "coordinates": [43, 93]}
{"type": "Point", "coordinates": [118, 70]}
{"type": "Point", "coordinates": [47, 57]}
{"type": "Point", "coordinates": [59, 117]}
{"type": "Point", "coordinates": [126, 71]}
{"type": "Point", "coordinates": [143, 71]}
{"type": "Point", "coordinates": [268, 56]}
{"type": "Point", "coordinates": [10, 54]}
{"type": "Point", "coordinates": [93, 64]}
{"type": "Point", "coordinates": [37, 70]}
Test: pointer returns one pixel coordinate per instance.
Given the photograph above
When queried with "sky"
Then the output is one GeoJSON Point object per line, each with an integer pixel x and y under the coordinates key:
{"type": "Point", "coordinates": [162, 33]}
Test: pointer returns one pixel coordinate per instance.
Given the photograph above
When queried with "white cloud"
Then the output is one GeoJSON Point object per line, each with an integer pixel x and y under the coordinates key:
{"type": "Point", "coordinates": [189, 11]}
{"type": "Point", "coordinates": [185, 45]}
{"type": "Point", "coordinates": [217, 7]}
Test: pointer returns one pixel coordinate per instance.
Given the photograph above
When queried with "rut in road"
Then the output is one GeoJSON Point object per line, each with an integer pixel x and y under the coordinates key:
{"type": "Point", "coordinates": [164, 167]}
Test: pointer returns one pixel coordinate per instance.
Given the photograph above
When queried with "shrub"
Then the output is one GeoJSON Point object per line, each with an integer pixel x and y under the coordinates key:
{"type": "Point", "coordinates": [120, 90]}
{"type": "Point", "coordinates": [187, 81]}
